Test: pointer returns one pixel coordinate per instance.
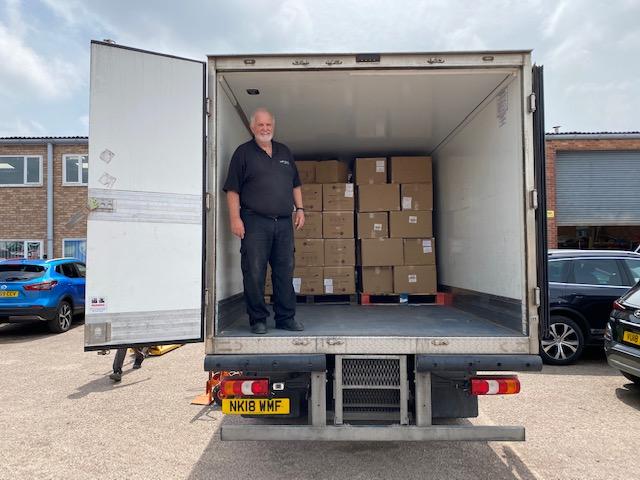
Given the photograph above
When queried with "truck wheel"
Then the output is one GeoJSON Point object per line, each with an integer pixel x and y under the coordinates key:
{"type": "Point", "coordinates": [565, 343]}
{"type": "Point", "coordinates": [62, 321]}
{"type": "Point", "coordinates": [631, 377]}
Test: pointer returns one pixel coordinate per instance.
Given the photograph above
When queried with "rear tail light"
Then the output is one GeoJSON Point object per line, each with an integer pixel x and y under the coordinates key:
{"type": "Point", "coordinates": [41, 286]}
{"type": "Point", "coordinates": [495, 385]}
{"type": "Point", "coordinates": [618, 306]}
{"type": "Point", "coordinates": [245, 388]}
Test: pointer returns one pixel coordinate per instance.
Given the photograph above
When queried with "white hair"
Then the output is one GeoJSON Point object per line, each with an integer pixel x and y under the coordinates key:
{"type": "Point", "coordinates": [261, 110]}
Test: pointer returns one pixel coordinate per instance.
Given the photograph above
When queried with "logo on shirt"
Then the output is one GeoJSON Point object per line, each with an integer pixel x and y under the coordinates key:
{"type": "Point", "coordinates": [284, 162]}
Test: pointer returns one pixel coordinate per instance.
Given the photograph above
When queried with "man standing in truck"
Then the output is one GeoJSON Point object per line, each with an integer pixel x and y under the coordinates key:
{"type": "Point", "coordinates": [262, 188]}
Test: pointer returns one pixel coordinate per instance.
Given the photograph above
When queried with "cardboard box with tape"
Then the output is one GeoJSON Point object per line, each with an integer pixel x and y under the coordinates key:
{"type": "Point", "coordinates": [370, 170]}
{"type": "Point", "coordinates": [410, 224]}
{"type": "Point", "coordinates": [378, 198]}
{"type": "Point", "coordinates": [380, 252]}
{"type": "Point", "coordinates": [373, 225]}
{"type": "Point", "coordinates": [416, 196]}
{"type": "Point", "coordinates": [339, 280]}
{"type": "Point", "coordinates": [331, 171]}
{"type": "Point", "coordinates": [410, 170]}
{"type": "Point", "coordinates": [376, 280]}
{"type": "Point", "coordinates": [339, 252]}
{"type": "Point", "coordinates": [419, 251]}
{"type": "Point", "coordinates": [312, 226]}
{"type": "Point", "coordinates": [337, 224]}
{"type": "Point", "coordinates": [416, 279]}
{"type": "Point", "coordinates": [337, 197]}
{"type": "Point", "coordinates": [308, 280]}
{"type": "Point", "coordinates": [312, 197]}
{"type": "Point", "coordinates": [309, 252]}
{"type": "Point", "coordinates": [307, 171]}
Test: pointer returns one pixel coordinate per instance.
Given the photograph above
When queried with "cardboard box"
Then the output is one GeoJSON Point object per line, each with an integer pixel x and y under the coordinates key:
{"type": "Point", "coordinates": [416, 196]}
{"type": "Point", "coordinates": [371, 170]}
{"type": "Point", "coordinates": [378, 198]}
{"type": "Point", "coordinates": [312, 197]}
{"type": "Point", "coordinates": [410, 224]}
{"type": "Point", "coordinates": [339, 252]}
{"type": "Point", "coordinates": [381, 252]}
{"type": "Point", "coordinates": [419, 251]}
{"type": "Point", "coordinates": [337, 196]}
{"type": "Point", "coordinates": [307, 171]}
{"type": "Point", "coordinates": [410, 170]}
{"type": "Point", "coordinates": [373, 225]}
{"type": "Point", "coordinates": [339, 280]}
{"type": "Point", "coordinates": [308, 280]}
{"type": "Point", "coordinates": [332, 171]}
{"type": "Point", "coordinates": [337, 225]}
{"type": "Point", "coordinates": [309, 252]}
{"type": "Point", "coordinates": [312, 226]}
{"type": "Point", "coordinates": [377, 279]}
{"type": "Point", "coordinates": [415, 279]}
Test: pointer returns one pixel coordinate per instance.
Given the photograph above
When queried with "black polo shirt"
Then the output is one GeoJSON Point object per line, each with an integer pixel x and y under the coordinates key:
{"type": "Point", "coordinates": [265, 184]}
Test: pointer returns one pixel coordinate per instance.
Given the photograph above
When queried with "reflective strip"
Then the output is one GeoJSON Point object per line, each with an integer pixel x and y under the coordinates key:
{"type": "Point", "coordinates": [246, 388]}
{"type": "Point", "coordinates": [151, 207]}
{"type": "Point", "coordinates": [494, 387]}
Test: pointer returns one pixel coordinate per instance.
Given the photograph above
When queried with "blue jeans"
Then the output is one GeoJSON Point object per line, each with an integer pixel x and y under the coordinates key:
{"type": "Point", "coordinates": [268, 239]}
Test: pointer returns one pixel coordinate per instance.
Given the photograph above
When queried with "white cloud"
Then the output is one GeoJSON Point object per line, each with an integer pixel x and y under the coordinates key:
{"type": "Point", "coordinates": [551, 24]}
{"type": "Point", "coordinates": [22, 128]}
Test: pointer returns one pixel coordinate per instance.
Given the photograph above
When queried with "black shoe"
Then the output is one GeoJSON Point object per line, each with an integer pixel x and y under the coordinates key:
{"type": "Point", "coordinates": [259, 328]}
{"type": "Point", "coordinates": [116, 376]}
{"type": "Point", "coordinates": [292, 325]}
{"type": "Point", "coordinates": [137, 364]}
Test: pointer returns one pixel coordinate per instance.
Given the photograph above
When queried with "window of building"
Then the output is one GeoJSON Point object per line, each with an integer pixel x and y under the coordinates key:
{"type": "Point", "coordinates": [75, 169]}
{"type": "Point", "coordinates": [75, 248]}
{"type": "Point", "coordinates": [20, 249]}
{"type": "Point", "coordinates": [18, 171]}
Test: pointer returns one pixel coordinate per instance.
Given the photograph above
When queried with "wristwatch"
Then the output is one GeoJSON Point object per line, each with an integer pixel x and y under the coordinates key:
{"type": "Point", "coordinates": [299, 209]}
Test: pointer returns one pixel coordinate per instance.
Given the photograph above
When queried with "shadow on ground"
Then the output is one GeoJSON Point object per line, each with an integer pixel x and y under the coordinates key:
{"type": "Point", "coordinates": [29, 331]}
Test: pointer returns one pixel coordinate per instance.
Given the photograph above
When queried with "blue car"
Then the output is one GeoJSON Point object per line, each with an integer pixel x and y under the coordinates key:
{"type": "Point", "coordinates": [47, 290]}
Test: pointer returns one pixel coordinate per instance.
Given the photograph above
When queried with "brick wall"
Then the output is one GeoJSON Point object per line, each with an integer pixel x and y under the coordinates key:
{"type": "Point", "coordinates": [23, 210]}
{"type": "Point", "coordinates": [558, 145]}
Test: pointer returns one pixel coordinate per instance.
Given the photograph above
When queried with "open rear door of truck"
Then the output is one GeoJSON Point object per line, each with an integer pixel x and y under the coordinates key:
{"type": "Point", "coordinates": [145, 223]}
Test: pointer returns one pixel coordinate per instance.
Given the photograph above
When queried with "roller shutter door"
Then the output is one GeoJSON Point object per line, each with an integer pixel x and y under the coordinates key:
{"type": "Point", "coordinates": [598, 188]}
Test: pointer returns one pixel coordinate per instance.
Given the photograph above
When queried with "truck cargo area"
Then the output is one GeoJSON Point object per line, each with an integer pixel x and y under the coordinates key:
{"type": "Point", "coordinates": [471, 121]}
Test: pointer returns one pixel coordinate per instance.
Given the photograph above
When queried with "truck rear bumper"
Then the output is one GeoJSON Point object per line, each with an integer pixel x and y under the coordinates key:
{"type": "Point", "coordinates": [372, 433]}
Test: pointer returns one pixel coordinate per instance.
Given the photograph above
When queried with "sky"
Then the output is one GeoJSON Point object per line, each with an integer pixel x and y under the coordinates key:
{"type": "Point", "coordinates": [589, 48]}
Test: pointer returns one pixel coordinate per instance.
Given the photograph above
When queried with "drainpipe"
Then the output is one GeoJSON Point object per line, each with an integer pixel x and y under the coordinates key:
{"type": "Point", "coordinates": [49, 200]}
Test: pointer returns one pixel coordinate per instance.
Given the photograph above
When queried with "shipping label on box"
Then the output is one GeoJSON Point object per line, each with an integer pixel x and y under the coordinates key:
{"type": "Point", "coordinates": [339, 252]}
{"type": "Point", "coordinates": [312, 226]}
{"type": "Point", "coordinates": [381, 252]}
{"type": "Point", "coordinates": [373, 225]}
{"type": "Point", "coordinates": [377, 280]}
{"type": "Point", "coordinates": [410, 224]}
{"type": "Point", "coordinates": [312, 197]}
{"type": "Point", "coordinates": [308, 280]}
{"type": "Point", "coordinates": [307, 171]}
{"type": "Point", "coordinates": [337, 196]}
{"type": "Point", "coordinates": [370, 170]}
{"type": "Point", "coordinates": [337, 225]}
{"type": "Point", "coordinates": [410, 169]}
{"type": "Point", "coordinates": [416, 196]}
{"type": "Point", "coordinates": [419, 251]}
{"type": "Point", "coordinates": [420, 279]}
{"type": "Point", "coordinates": [339, 280]}
{"type": "Point", "coordinates": [309, 252]}
{"type": "Point", "coordinates": [332, 171]}
{"type": "Point", "coordinates": [378, 198]}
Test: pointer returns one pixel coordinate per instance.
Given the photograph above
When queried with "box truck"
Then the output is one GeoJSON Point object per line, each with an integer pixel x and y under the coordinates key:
{"type": "Point", "coordinates": [163, 266]}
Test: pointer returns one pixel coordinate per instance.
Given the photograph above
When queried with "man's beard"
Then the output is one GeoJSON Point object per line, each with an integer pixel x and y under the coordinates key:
{"type": "Point", "coordinates": [264, 138]}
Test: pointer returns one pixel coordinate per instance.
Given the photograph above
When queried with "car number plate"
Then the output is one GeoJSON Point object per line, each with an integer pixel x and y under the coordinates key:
{"type": "Point", "coordinates": [631, 337]}
{"type": "Point", "coordinates": [255, 406]}
{"type": "Point", "coordinates": [8, 294]}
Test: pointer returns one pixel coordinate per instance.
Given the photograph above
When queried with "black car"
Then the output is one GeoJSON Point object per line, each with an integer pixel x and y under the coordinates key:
{"type": "Point", "coordinates": [583, 284]}
{"type": "Point", "coordinates": [622, 335]}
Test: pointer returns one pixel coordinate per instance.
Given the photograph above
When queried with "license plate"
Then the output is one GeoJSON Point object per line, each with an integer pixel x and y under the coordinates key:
{"type": "Point", "coordinates": [255, 406]}
{"type": "Point", "coordinates": [631, 337]}
{"type": "Point", "coordinates": [8, 294]}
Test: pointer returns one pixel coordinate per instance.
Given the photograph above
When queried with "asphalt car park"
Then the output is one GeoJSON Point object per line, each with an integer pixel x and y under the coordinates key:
{"type": "Point", "coordinates": [63, 418]}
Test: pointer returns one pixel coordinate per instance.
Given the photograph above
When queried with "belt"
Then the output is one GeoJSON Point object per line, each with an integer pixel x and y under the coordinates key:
{"type": "Point", "coordinates": [271, 217]}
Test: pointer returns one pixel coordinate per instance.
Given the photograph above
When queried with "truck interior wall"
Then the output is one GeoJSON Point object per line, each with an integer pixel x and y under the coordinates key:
{"type": "Point", "coordinates": [479, 208]}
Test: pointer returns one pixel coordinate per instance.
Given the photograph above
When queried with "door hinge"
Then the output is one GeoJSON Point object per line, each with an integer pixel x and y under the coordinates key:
{"type": "Point", "coordinates": [207, 200]}
{"type": "Point", "coordinates": [534, 199]}
{"type": "Point", "coordinates": [208, 106]}
{"type": "Point", "coordinates": [532, 103]}
{"type": "Point", "coordinates": [536, 296]}
{"type": "Point", "coordinates": [206, 297]}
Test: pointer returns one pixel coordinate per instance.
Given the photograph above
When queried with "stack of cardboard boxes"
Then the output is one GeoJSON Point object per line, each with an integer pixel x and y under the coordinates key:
{"type": "Point", "coordinates": [394, 225]}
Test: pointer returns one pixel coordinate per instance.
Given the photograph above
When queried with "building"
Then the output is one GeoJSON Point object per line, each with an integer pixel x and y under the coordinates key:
{"type": "Point", "coordinates": [43, 193]}
{"type": "Point", "coordinates": [593, 190]}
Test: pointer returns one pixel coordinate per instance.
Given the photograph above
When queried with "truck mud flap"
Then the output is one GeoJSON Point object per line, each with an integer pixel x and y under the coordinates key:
{"type": "Point", "coordinates": [477, 363]}
{"type": "Point", "coordinates": [266, 363]}
{"type": "Point", "coordinates": [348, 433]}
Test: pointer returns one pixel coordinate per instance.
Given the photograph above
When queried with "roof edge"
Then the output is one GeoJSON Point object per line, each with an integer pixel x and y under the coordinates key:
{"type": "Point", "coordinates": [44, 140]}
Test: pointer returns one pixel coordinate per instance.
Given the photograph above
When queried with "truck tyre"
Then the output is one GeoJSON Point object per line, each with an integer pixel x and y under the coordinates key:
{"type": "Point", "coordinates": [62, 321]}
{"type": "Point", "coordinates": [565, 343]}
{"type": "Point", "coordinates": [631, 377]}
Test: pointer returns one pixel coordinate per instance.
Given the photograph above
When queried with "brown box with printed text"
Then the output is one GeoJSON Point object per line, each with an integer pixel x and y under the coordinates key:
{"type": "Point", "coordinates": [380, 252]}
{"type": "Point", "coordinates": [378, 198]}
{"type": "Point", "coordinates": [415, 279]}
{"type": "Point", "coordinates": [339, 252]}
{"type": "Point", "coordinates": [416, 196]}
{"type": "Point", "coordinates": [331, 171]}
{"type": "Point", "coordinates": [373, 225]}
{"type": "Point", "coordinates": [370, 170]}
{"type": "Point", "coordinates": [307, 171]}
{"type": "Point", "coordinates": [337, 225]}
{"type": "Point", "coordinates": [419, 251]}
{"type": "Point", "coordinates": [308, 280]}
{"type": "Point", "coordinates": [410, 170]}
{"type": "Point", "coordinates": [410, 224]}
{"type": "Point", "coordinates": [312, 197]}
{"type": "Point", "coordinates": [377, 280]}
{"type": "Point", "coordinates": [309, 252]}
{"type": "Point", "coordinates": [312, 226]}
{"type": "Point", "coordinates": [339, 280]}
{"type": "Point", "coordinates": [337, 196]}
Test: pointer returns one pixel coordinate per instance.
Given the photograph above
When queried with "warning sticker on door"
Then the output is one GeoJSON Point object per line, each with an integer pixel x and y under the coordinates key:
{"type": "Point", "coordinates": [98, 304]}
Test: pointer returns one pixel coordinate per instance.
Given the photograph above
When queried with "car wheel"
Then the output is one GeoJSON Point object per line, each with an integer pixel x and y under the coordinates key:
{"type": "Point", "coordinates": [565, 343]}
{"type": "Point", "coordinates": [631, 377]}
{"type": "Point", "coordinates": [62, 322]}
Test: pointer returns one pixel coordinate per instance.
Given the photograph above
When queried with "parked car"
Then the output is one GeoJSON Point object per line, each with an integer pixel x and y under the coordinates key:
{"type": "Point", "coordinates": [45, 290]}
{"type": "Point", "coordinates": [622, 335]}
{"type": "Point", "coordinates": [583, 284]}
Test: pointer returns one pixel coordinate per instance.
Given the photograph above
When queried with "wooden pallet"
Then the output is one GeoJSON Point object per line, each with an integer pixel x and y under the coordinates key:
{"type": "Point", "coordinates": [329, 299]}
{"type": "Point", "coordinates": [405, 299]}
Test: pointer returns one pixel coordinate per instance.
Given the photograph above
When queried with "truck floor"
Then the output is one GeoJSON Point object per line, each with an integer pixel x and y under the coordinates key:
{"type": "Point", "coordinates": [380, 320]}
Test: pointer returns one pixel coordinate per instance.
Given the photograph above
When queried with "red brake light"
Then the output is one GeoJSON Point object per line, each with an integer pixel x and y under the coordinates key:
{"type": "Point", "coordinates": [245, 388]}
{"type": "Point", "coordinates": [495, 385]}
{"type": "Point", "coordinates": [618, 306]}
{"type": "Point", "coordinates": [41, 286]}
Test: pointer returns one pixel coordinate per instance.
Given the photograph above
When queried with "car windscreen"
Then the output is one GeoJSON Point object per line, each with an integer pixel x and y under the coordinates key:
{"type": "Point", "coordinates": [20, 273]}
